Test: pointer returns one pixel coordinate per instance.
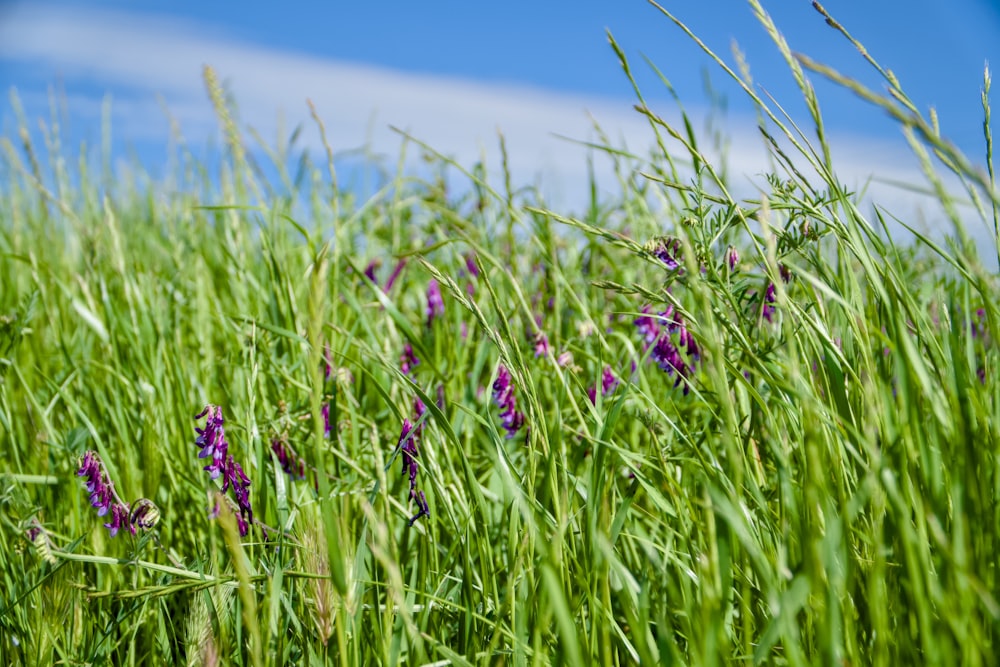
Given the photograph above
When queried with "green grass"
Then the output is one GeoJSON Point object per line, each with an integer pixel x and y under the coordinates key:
{"type": "Point", "coordinates": [825, 491]}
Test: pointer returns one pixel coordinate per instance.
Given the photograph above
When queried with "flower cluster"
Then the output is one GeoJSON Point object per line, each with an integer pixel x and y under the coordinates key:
{"type": "Point", "coordinates": [608, 384]}
{"type": "Point", "coordinates": [770, 295]}
{"type": "Point", "coordinates": [212, 440]}
{"type": "Point", "coordinates": [143, 514]}
{"type": "Point", "coordinates": [408, 449]}
{"type": "Point", "coordinates": [668, 342]}
{"type": "Point", "coordinates": [503, 396]}
{"type": "Point", "coordinates": [668, 251]}
{"type": "Point", "coordinates": [102, 493]}
{"type": "Point", "coordinates": [291, 464]}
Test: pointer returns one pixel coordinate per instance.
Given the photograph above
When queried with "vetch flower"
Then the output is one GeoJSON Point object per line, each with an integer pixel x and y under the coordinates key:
{"type": "Point", "coordinates": [395, 274]}
{"type": "Point", "coordinates": [503, 396]}
{"type": "Point", "coordinates": [422, 508]}
{"type": "Point", "coordinates": [407, 446]}
{"type": "Point", "coordinates": [608, 381]}
{"type": "Point", "coordinates": [648, 326]}
{"type": "Point", "coordinates": [234, 477]}
{"type": "Point", "coordinates": [767, 312]}
{"type": "Point", "coordinates": [608, 384]}
{"type": "Point", "coordinates": [663, 349]}
{"type": "Point", "coordinates": [435, 304]}
{"type": "Point", "coordinates": [668, 251]}
{"type": "Point", "coordinates": [471, 266]}
{"type": "Point", "coordinates": [145, 514]}
{"type": "Point", "coordinates": [407, 360]}
{"type": "Point", "coordinates": [732, 258]}
{"type": "Point", "coordinates": [107, 502]}
{"type": "Point", "coordinates": [119, 518]}
{"type": "Point", "coordinates": [473, 269]}
{"type": "Point", "coordinates": [370, 270]}
{"type": "Point", "coordinates": [212, 440]}
{"type": "Point", "coordinates": [419, 410]}
{"type": "Point", "coordinates": [291, 464]}
{"type": "Point", "coordinates": [541, 344]}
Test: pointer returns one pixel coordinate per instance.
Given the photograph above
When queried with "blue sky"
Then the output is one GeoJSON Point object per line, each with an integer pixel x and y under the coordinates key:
{"type": "Point", "coordinates": [454, 72]}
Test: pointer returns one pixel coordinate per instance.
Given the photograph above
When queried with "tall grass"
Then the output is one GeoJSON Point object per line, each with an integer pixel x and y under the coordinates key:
{"type": "Point", "coordinates": [813, 478]}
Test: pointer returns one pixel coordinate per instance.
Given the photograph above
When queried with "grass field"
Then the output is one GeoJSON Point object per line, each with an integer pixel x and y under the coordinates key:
{"type": "Point", "coordinates": [678, 427]}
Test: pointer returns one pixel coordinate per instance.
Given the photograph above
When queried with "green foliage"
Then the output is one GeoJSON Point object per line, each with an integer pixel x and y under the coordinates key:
{"type": "Point", "coordinates": [821, 487]}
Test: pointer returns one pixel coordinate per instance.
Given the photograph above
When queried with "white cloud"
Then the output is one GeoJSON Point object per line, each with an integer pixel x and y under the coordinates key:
{"type": "Point", "coordinates": [138, 56]}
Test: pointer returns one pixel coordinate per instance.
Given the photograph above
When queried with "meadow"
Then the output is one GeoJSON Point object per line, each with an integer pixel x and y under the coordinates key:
{"type": "Point", "coordinates": [680, 426]}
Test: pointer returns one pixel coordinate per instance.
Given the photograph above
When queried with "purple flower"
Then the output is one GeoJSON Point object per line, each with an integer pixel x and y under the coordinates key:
{"type": "Point", "coordinates": [668, 251]}
{"type": "Point", "coordinates": [503, 396]}
{"type": "Point", "coordinates": [408, 448]}
{"type": "Point", "coordinates": [541, 344]}
{"type": "Point", "coordinates": [435, 304]}
{"type": "Point", "coordinates": [395, 274]}
{"type": "Point", "coordinates": [732, 258]}
{"type": "Point", "coordinates": [422, 508]}
{"type": "Point", "coordinates": [648, 326]}
{"type": "Point", "coordinates": [370, 270]}
{"type": "Point", "coordinates": [102, 493]}
{"type": "Point", "coordinates": [119, 517]}
{"type": "Point", "coordinates": [608, 384]}
{"type": "Point", "coordinates": [665, 350]}
{"type": "Point", "coordinates": [608, 381]}
{"type": "Point", "coordinates": [212, 440]}
{"type": "Point", "coordinates": [685, 339]}
{"type": "Point", "coordinates": [291, 464]}
{"type": "Point", "coordinates": [767, 312]}
{"type": "Point", "coordinates": [407, 360]}
{"type": "Point", "coordinates": [668, 357]}
{"type": "Point", "coordinates": [234, 477]}
{"type": "Point", "coordinates": [473, 270]}
{"type": "Point", "coordinates": [471, 266]}
{"type": "Point", "coordinates": [144, 514]}
{"type": "Point", "coordinates": [419, 410]}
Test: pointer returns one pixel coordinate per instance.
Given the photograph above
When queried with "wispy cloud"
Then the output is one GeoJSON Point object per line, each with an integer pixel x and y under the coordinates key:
{"type": "Point", "coordinates": [140, 56]}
